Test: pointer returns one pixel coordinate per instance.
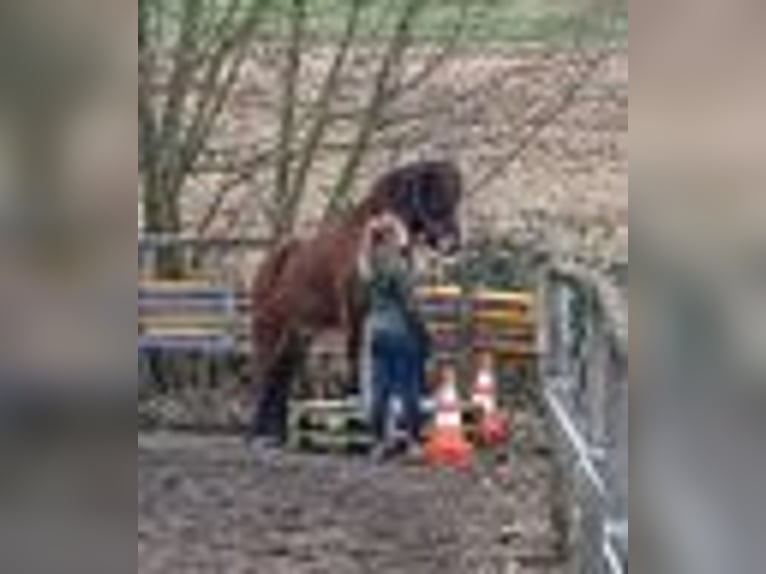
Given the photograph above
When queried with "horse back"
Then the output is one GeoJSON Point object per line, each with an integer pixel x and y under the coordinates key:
{"type": "Point", "coordinates": [307, 280]}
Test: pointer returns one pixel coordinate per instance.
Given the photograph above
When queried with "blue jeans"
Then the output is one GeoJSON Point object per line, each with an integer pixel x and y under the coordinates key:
{"type": "Point", "coordinates": [396, 371]}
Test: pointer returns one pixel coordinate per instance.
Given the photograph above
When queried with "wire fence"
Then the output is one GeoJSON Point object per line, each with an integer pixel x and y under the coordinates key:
{"type": "Point", "coordinates": [584, 371]}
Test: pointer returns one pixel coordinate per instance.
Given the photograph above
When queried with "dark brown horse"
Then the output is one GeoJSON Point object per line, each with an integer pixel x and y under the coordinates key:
{"type": "Point", "coordinates": [306, 286]}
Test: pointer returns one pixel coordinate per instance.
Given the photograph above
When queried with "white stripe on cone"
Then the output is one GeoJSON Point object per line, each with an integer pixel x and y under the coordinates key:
{"type": "Point", "coordinates": [448, 410]}
{"type": "Point", "coordinates": [484, 392]}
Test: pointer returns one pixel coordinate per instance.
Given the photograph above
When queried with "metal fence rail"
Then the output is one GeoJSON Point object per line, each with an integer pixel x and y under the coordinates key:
{"type": "Point", "coordinates": [207, 256]}
{"type": "Point", "coordinates": [151, 241]}
{"type": "Point", "coordinates": [584, 369]}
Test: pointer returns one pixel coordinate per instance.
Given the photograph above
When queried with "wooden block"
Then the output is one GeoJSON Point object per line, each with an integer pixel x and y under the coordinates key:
{"type": "Point", "coordinates": [523, 299]}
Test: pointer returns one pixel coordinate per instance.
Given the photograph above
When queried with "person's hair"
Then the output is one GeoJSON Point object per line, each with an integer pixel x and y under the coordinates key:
{"type": "Point", "coordinates": [383, 229]}
{"type": "Point", "coordinates": [388, 227]}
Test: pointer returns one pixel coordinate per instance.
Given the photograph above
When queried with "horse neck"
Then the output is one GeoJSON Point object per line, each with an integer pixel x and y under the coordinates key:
{"type": "Point", "coordinates": [348, 232]}
{"type": "Point", "coordinates": [366, 210]}
{"type": "Point", "coordinates": [355, 222]}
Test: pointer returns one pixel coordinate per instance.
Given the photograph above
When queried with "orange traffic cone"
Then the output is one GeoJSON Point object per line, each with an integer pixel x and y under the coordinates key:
{"type": "Point", "coordinates": [447, 444]}
{"type": "Point", "coordinates": [494, 426]}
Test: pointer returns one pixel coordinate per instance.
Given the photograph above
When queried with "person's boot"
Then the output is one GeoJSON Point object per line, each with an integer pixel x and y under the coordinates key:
{"type": "Point", "coordinates": [261, 439]}
{"type": "Point", "coordinates": [413, 452]}
{"type": "Point", "coordinates": [382, 451]}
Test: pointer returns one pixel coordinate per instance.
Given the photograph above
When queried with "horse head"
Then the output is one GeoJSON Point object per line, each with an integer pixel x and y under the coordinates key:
{"type": "Point", "coordinates": [426, 197]}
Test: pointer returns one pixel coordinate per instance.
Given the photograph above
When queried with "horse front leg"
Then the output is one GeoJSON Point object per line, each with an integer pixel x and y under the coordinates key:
{"type": "Point", "coordinates": [352, 322]}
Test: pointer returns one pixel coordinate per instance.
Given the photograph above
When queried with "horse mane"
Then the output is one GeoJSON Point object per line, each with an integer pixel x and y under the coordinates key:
{"type": "Point", "coordinates": [394, 193]}
{"type": "Point", "coordinates": [397, 189]}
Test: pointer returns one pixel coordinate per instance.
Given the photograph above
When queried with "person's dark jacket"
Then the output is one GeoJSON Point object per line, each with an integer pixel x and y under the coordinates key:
{"type": "Point", "coordinates": [390, 295]}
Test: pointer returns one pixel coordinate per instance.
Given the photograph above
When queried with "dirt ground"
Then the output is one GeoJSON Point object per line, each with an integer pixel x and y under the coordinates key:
{"type": "Point", "coordinates": [207, 504]}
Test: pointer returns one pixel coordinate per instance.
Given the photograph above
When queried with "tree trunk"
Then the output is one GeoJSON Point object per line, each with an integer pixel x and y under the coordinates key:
{"type": "Point", "coordinates": [162, 216]}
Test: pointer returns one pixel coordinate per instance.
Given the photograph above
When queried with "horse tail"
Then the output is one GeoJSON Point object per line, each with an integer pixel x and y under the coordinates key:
{"type": "Point", "coordinates": [270, 270]}
{"type": "Point", "coordinates": [268, 335]}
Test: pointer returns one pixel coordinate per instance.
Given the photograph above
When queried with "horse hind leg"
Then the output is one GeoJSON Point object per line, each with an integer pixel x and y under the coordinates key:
{"type": "Point", "coordinates": [274, 378]}
{"type": "Point", "coordinates": [354, 383]}
{"type": "Point", "coordinates": [267, 395]}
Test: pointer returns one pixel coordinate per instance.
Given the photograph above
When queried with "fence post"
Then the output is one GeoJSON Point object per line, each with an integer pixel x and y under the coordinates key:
{"type": "Point", "coordinates": [617, 440]}
{"type": "Point", "coordinates": [549, 338]}
{"type": "Point", "coordinates": [598, 384]}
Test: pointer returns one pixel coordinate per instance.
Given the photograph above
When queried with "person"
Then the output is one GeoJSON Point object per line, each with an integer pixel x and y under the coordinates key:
{"type": "Point", "coordinates": [394, 334]}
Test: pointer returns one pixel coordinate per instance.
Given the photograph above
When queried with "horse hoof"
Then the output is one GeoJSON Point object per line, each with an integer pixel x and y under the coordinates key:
{"type": "Point", "coordinates": [266, 445]}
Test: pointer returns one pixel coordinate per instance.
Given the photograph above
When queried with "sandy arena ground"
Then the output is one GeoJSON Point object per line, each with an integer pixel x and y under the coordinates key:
{"type": "Point", "coordinates": [208, 505]}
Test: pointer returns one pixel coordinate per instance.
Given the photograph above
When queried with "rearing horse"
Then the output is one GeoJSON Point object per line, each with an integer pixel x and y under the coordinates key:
{"type": "Point", "coordinates": [306, 286]}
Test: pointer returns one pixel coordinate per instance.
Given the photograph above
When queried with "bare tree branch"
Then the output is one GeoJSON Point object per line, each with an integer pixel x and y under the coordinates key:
{"type": "Point", "coordinates": [147, 122]}
{"type": "Point", "coordinates": [322, 111]}
{"type": "Point", "coordinates": [537, 124]}
{"type": "Point", "coordinates": [396, 49]}
{"type": "Point", "coordinates": [178, 89]}
{"type": "Point", "coordinates": [217, 85]}
{"type": "Point", "coordinates": [239, 175]}
{"type": "Point", "coordinates": [287, 117]}
{"type": "Point", "coordinates": [297, 122]}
